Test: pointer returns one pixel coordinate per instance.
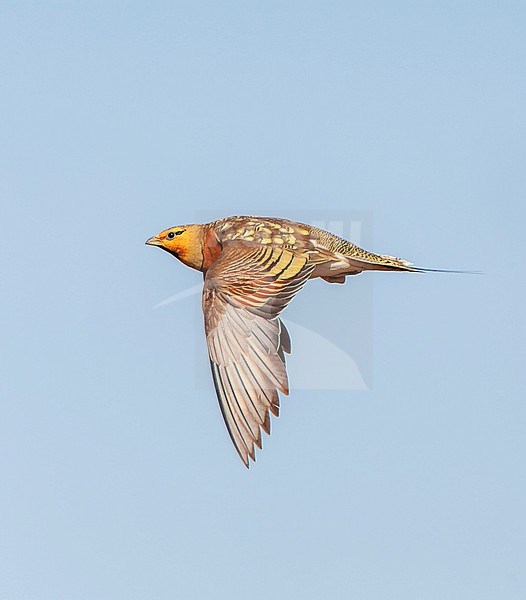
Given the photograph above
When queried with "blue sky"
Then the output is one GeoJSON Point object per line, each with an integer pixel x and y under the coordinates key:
{"type": "Point", "coordinates": [123, 118]}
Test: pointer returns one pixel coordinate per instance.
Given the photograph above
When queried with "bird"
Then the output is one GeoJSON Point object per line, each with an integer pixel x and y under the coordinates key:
{"type": "Point", "coordinates": [252, 268]}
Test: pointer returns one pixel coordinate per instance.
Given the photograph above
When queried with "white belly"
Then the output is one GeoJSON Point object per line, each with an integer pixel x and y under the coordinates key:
{"type": "Point", "coordinates": [335, 268]}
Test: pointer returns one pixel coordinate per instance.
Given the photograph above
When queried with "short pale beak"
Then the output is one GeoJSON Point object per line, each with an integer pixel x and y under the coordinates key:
{"type": "Point", "coordinates": [153, 241]}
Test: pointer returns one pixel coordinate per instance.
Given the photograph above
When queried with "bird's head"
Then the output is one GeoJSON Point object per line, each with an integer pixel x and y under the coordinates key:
{"type": "Point", "coordinates": [184, 242]}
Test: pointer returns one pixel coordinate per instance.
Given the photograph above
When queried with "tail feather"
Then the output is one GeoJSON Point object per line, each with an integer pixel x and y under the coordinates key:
{"type": "Point", "coordinates": [423, 270]}
{"type": "Point", "coordinates": [383, 262]}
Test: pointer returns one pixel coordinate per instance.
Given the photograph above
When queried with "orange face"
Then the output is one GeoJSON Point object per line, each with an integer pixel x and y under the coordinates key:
{"type": "Point", "coordinates": [184, 241]}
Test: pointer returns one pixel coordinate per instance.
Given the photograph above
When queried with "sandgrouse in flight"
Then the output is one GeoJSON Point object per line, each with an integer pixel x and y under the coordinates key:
{"type": "Point", "coordinates": [253, 267]}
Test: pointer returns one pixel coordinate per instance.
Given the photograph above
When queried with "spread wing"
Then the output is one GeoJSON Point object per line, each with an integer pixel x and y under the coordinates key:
{"type": "Point", "coordinates": [244, 292]}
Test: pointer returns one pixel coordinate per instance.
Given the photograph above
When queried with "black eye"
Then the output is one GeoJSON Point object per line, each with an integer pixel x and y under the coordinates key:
{"type": "Point", "coordinates": [171, 235]}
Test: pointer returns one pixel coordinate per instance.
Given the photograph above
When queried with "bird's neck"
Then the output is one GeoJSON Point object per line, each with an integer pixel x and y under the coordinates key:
{"type": "Point", "coordinates": [201, 248]}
